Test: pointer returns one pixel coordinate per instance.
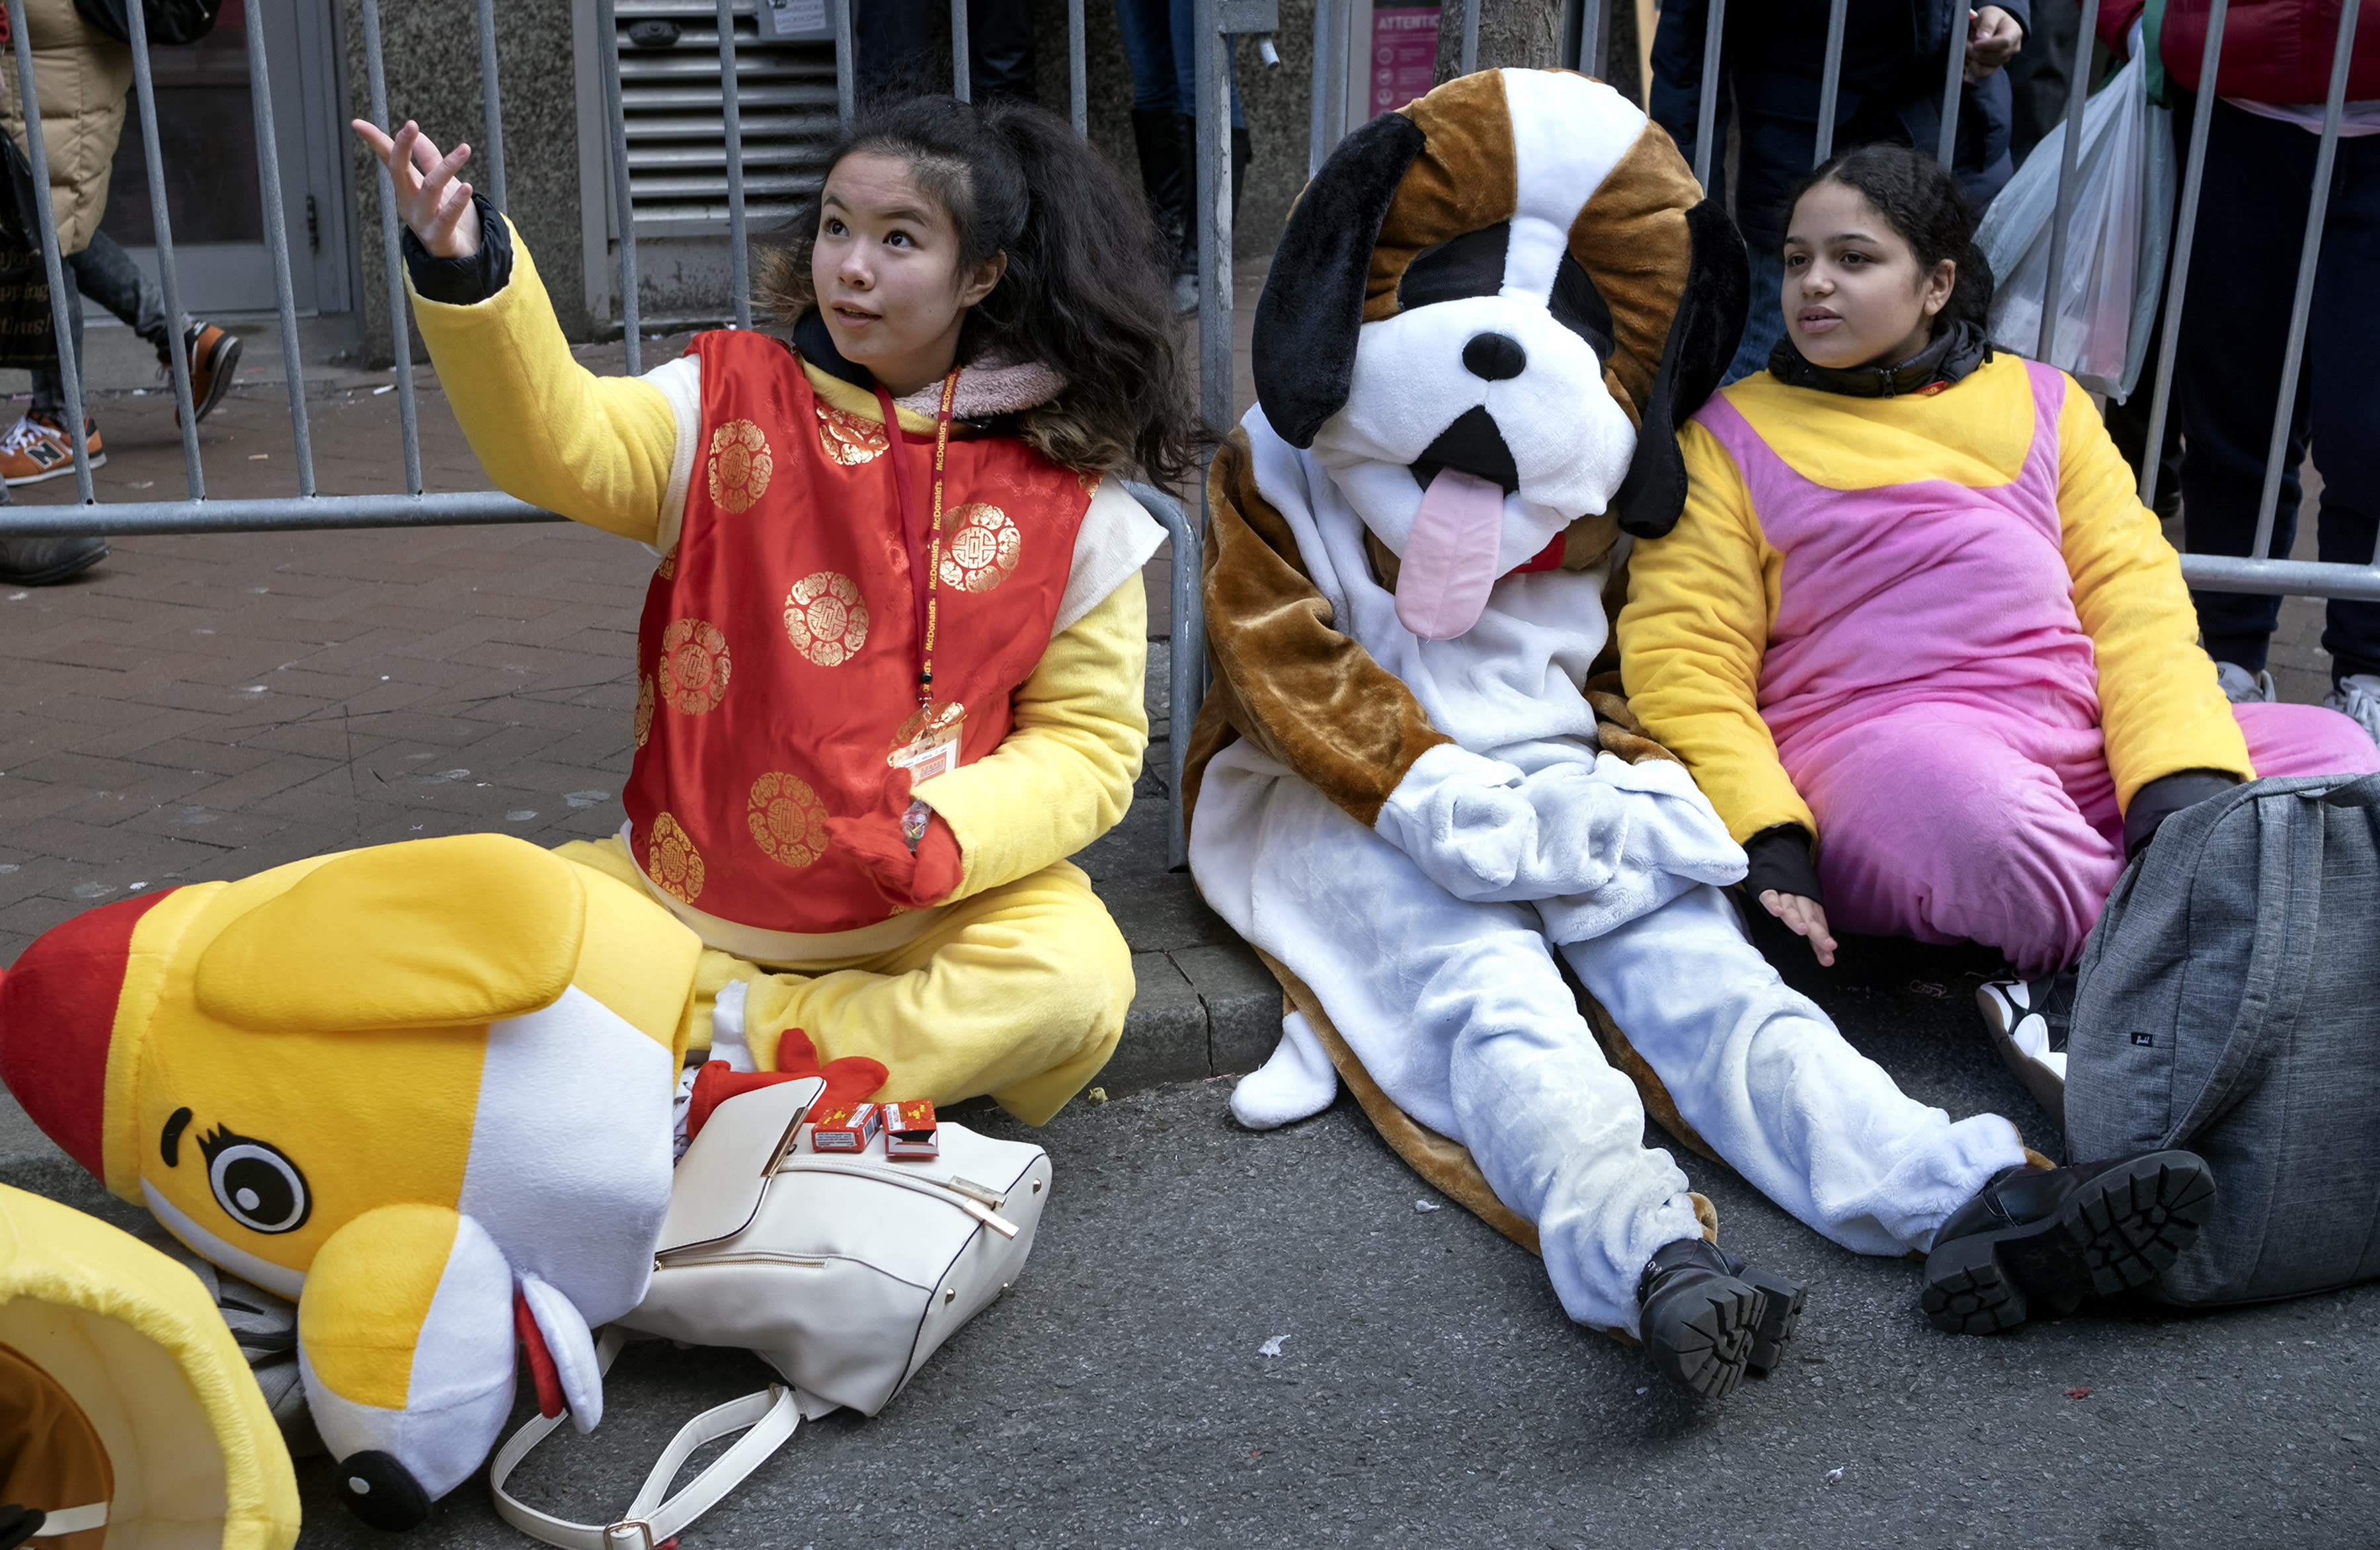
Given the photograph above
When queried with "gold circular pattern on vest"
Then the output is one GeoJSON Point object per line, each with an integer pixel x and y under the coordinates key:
{"type": "Point", "coordinates": [644, 722]}
{"type": "Point", "coordinates": [847, 439]}
{"type": "Point", "coordinates": [984, 546]}
{"type": "Point", "coordinates": [787, 819]}
{"type": "Point", "coordinates": [667, 570]}
{"type": "Point", "coordinates": [825, 619]}
{"type": "Point", "coordinates": [691, 677]}
{"type": "Point", "coordinates": [672, 861]}
{"type": "Point", "coordinates": [739, 465]}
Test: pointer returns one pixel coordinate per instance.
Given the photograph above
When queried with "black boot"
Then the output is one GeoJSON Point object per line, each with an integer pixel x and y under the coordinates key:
{"type": "Point", "coordinates": [1165, 179]}
{"type": "Point", "coordinates": [2040, 1240]}
{"type": "Point", "coordinates": [39, 562]}
{"type": "Point", "coordinates": [1708, 1317]}
{"type": "Point", "coordinates": [1193, 229]}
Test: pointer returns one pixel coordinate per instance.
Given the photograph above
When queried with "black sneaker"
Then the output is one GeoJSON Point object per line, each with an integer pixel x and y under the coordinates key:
{"type": "Point", "coordinates": [2029, 1021]}
{"type": "Point", "coordinates": [1710, 1318]}
{"type": "Point", "coordinates": [2042, 1240]}
{"type": "Point", "coordinates": [40, 562]}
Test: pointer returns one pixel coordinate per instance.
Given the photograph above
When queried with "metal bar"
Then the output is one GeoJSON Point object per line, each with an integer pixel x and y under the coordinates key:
{"type": "Point", "coordinates": [53, 262]}
{"type": "Point", "coordinates": [846, 84]}
{"type": "Point", "coordinates": [1318, 92]}
{"type": "Point", "coordinates": [607, 25]}
{"type": "Point", "coordinates": [739, 253]}
{"type": "Point", "coordinates": [1336, 77]}
{"type": "Point", "coordinates": [2193, 179]}
{"type": "Point", "coordinates": [1590, 36]}
{"type": "Point", "coordinates": [1078, 76]}
{"type": "Point", "coordinates": [2069, 150]}
{"type": "Point", "coordinates": [276, 242]}
{"type": "Point", "coordinates": [1830, 81]}
{"type": "Point", "coordinates": [391, 258]}
{"type": "Point", "coordinates": [1212, 85]}
{"type": "Point", "coordinates": [1186, 666]}
{"type": "Point", "coordinates": [1470, 56]}
{"type": "Point", "coordinates": [2309, 256]}
{"type": "Point", "coordinates": [177, 355]}
{"type": "Point", "coordinates": [492, 109]}
{"type": "Point", "coordinates": [2282, 578]}
{"type": "Point", "coordinates": [283, 514]}
{"type": "Point", "coordinates": [962, 80]}
{"type": "Point", "coordinates": [1954, 75]}
{"type": "Point", "coordinates": [1706, 105]}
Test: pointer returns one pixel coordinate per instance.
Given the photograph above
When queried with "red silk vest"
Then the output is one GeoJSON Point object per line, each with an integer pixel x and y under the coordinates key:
{"type": "Point", "coordinates": [777, 658]}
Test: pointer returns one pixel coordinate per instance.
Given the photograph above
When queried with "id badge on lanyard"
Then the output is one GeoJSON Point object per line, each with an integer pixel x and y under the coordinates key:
{"type": "Point", "coordinates": [928, 743]}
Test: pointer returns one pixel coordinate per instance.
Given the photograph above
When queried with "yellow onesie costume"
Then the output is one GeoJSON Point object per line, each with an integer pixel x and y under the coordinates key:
{"type": "Point", "coordinates": [743, 455]}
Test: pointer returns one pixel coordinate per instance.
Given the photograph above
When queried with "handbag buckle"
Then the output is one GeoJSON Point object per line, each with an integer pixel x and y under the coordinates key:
{"type": "Point", "coordinates": [616, 1535]}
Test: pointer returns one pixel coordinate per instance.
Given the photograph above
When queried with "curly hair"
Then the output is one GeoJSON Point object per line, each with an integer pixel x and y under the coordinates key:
{"type": "Point", "coordinates": [1921, 200]}
{"type": "Point", "coordinates": [1084, 293]}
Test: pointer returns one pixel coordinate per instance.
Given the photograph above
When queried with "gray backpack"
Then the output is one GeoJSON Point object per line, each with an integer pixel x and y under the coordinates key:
{"type": "Point", "coordinates": [2229, 1004]}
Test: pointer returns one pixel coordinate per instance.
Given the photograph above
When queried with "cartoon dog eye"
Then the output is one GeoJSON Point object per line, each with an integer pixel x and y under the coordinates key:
{"type": "Point", "coordinates": [261, 1189]}
{"type": "Point", "coordinates": [1472, 264]}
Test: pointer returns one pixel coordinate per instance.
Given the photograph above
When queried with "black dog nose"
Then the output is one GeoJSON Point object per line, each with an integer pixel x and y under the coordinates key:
{"type": "Point", "coordinates": [1495, 356]}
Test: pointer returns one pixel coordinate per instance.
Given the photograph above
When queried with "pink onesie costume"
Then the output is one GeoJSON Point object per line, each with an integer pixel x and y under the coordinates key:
{"type": "Point", "coordinates": [1935, 698]}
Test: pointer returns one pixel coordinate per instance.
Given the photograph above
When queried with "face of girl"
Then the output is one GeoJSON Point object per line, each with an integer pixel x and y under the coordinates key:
{"type": "Point", "coordinates": [1854, 294]}
{"type": "Point", "coordinates": [886, 271]}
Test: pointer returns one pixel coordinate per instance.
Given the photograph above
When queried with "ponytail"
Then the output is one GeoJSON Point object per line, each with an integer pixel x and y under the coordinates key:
{"type": "Point", "coordinates": [1085, 292]}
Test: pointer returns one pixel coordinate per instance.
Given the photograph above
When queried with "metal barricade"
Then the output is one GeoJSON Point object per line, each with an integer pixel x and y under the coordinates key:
{"type": "Point", "coordinates": [2257, 572]}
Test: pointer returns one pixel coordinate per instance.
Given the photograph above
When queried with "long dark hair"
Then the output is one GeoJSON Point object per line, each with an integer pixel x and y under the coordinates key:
{"type": "Point", "coordinates": [1921, 198]}
{"type": "Point", "coordinates": [1083, 294]}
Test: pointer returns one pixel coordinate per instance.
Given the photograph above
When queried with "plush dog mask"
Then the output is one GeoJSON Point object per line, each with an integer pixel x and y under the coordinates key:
{"type": "Point", "coordinates": [1488, 318]}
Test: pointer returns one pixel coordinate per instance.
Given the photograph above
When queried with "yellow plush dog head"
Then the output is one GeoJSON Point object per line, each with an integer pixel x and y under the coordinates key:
{"type": "Point", "coordinates": [260, 1061]}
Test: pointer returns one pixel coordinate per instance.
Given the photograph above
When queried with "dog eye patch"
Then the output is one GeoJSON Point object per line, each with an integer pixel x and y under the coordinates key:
{"type": "Point", "coordinates": [1472, 264]}
{"type": "Point", "coordinates": [1580, 307]}
{"type": "Point", "coordinates": [1461, 267]}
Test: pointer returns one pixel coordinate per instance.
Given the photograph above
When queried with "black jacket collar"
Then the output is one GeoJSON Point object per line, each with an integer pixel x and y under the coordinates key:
{"type": "Point", "coordinates": [1955, 351]}
{"type": "Point", "coordinates": [816, 344]}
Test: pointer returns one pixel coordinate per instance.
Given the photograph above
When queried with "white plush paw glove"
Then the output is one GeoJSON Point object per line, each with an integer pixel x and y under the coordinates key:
{"type": "Point", "coordinates": [1485, 832]}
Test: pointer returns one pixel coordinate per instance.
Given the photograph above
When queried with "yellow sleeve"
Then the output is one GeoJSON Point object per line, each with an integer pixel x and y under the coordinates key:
{"type": "Point", "coordinates": [2159, 706]}
{"type": "Point", "coordinates": [1700, 604]}
{"type": "Point", "coordinates": [1064, 774]}
{"type": "Point", "coordinates": [548, 431]}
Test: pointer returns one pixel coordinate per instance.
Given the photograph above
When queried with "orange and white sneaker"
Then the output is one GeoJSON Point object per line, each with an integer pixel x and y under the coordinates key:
{"type": "Point", "coordinates": [214, 360]}
{"type": "Point", "coordinates": [36, 448]}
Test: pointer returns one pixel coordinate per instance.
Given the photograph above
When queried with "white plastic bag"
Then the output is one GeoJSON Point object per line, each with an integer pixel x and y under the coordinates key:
{"type": "Point", "coordinates": [2114, 251]}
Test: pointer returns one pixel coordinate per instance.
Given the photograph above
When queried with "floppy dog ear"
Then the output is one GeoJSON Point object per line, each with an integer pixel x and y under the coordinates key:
{"type": "Point", "coordinates": [1313, 302]}
{"type": "Point", "coordinates": [1703, 336]}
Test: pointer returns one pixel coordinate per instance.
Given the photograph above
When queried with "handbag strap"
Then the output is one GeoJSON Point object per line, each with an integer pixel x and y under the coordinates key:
{"type": "Point", "coordinates": [769, 1415]}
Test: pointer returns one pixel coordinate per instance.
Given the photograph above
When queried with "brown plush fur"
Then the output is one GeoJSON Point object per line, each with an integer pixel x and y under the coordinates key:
{"type": "Point", "coordinates": [1631, 237]}
{"type": "Point", "coordinates": [1465, 180]}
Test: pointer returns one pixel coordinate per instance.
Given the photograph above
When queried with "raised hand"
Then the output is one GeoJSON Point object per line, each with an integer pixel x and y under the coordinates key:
{"type": "Point", "coordinates": [429, 197]}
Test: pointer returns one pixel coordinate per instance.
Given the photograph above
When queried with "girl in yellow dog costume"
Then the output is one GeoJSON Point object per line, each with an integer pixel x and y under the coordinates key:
{"type": "Point", "coordinates": [890, 663]}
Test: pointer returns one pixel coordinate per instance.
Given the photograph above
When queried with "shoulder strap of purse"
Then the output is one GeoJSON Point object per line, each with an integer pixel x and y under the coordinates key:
{"type": "Point", "coordinates": [651, 1520]}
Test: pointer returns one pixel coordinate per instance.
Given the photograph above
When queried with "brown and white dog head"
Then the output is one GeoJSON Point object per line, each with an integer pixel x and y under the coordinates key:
{"type": "Point", "coordinates": [1489, 316]}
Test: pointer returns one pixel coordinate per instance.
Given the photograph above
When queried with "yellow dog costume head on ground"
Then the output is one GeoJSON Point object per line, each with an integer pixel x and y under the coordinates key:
{"type": "Point", "coordinates": [127, 1415]}
{"type": "Point", "coordinates": [423, 1090]}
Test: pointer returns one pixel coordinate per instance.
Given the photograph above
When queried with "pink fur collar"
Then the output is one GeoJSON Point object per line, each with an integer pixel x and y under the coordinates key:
{"type": "Point", "coordinates": [989, 388]}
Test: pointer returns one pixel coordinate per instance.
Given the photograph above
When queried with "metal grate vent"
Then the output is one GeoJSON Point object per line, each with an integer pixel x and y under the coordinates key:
{"type": "Point", "coordinates": [677, 144]}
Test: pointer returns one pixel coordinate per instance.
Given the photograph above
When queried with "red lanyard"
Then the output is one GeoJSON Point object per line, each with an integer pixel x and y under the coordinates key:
{"type": "Point", "coordinates": [925, 541]}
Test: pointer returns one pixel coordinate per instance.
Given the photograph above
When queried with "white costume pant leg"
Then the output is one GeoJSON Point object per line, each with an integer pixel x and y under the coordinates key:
{"type": "Point", "coordinates": [1765, 1076]}
{"type": "Point", "coordinates": [1460, 1014]}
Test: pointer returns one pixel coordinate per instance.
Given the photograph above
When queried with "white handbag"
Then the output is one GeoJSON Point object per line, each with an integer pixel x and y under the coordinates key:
{"type": "Point", "coordinates": [843, 1270]}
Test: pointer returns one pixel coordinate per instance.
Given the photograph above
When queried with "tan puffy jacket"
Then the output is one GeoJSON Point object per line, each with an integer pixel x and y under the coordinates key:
{"type": "Point", "coordinates": [80, 76]}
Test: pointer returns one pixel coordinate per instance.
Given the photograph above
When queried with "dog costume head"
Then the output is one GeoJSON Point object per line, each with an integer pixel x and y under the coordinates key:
{"type": "Point", "coordinates": [1490, 314]}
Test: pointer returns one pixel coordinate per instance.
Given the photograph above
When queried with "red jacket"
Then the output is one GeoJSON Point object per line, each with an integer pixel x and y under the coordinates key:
{"type": "Point", "coordinates": [2273, 51]}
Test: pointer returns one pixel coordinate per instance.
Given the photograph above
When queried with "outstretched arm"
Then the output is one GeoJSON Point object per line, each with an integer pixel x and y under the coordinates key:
{"type": "Point", "coordinates": [599, 450]}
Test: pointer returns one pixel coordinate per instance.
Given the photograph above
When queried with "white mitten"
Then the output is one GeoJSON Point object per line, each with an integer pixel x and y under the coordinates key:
{"type": "Point", "coordinates": [1485, 832]}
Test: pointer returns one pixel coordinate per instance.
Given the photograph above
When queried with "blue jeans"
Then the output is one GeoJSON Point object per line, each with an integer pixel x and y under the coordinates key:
{"type": "Point", "coordinates": [2228, 372]}
{"type": "Point", "coordinates": [105, 272]}
{"type": "Point", "coordinates": [1161, 40]}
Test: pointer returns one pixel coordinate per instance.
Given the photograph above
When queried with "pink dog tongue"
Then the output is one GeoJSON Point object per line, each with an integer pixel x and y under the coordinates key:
{"type": "Point", "coordinates": [1450, 559]}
